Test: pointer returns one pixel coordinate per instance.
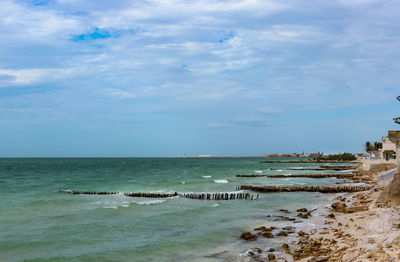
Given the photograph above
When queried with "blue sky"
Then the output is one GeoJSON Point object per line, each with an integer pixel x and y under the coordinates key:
{"type": "Point", "coordinates": [169, 77]}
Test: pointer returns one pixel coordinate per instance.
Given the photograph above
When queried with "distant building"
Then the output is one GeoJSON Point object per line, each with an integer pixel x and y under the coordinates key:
{"type": "Point", "coordinates": [360, 155]}
{"type": "Point", "coordinates": [204, 156]}
{"type": "Point", "coordinates": [385, 154]}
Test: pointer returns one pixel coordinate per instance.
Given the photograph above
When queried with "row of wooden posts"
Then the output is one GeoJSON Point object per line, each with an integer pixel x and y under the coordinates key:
{"type": "Point", "coordinates": [340, 176]}
{"type": "Point", "coordinates": [220, 196]}
{"type": "Point", "coordinates": [321, 189]}
{"type": "Point", "coordinates": [203, 196]}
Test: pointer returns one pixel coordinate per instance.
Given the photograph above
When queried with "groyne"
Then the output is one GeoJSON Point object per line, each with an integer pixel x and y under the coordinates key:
{"type": "Point", "coordinates": [340, 176]}
{"type": "Point", "coordinates": [202, 196]}
{"type": "Point", "coordinates": [308, 161]}
{"type": "Point", "coordinates": [321, 189]}
{"type": "Point", "coordinates": [347, 167]}
{"type": "Point", "coordinates": [314, 169]}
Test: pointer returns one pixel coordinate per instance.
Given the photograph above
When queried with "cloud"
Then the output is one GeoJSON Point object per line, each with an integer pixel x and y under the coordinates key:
{"type": "Point", "coordinates": [118, 93]}
{"type": "Point", "coordinates": [251, 121]}
{"type": "Point", "coordinates": [33, 76]}
{"type": "Point", "coordinates": [19, 22]}
{"type": "Point", "coordinates": [284, 54]}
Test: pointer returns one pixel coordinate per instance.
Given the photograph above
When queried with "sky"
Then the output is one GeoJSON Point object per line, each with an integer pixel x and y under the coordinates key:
{"type": "Point", "coordinates": [170, 77]}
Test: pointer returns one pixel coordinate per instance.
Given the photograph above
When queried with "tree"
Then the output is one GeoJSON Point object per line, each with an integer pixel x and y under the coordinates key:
{"type": "Point", "coordinates": [377, 146]}
{"type": "Point", "coordinates": [368, 147]}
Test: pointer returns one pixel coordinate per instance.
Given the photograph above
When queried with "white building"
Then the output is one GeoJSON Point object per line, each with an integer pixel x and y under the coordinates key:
{"type": "Point", "coordinates": [388, 150]}
{"type": "Point", "coordinates": [387, 154]}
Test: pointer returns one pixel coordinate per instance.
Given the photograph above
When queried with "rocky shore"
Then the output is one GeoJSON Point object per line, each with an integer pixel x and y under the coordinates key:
{"type": "Point", "coordinates": [352, 227]}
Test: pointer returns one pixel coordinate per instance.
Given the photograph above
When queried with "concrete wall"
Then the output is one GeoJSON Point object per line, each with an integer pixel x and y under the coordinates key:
{"type": "Point", "coordinates": [366, 164]}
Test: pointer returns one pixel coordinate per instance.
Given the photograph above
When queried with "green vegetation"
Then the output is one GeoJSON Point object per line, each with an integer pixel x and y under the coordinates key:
{"type": "Point", "coordinates": [338, 157]}
{"type": "Point", "coordinates": [369, 147]}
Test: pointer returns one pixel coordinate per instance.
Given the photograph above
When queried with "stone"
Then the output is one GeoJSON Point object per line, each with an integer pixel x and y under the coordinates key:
{"type": "Point", "coordinates": [302, 210]}
{"type": "Point", "coordinates": [284, 210]}
{"type": "Point", "coordinates": [331, 216]}
{"type": "Point", "coordinates": [301, 215]}
{"type": "Point", "coordinates": [288, 228]}
{"type": "Point", "coordinates": [285, 246]}
{"type": "Point", "coordinates": [262, 228]}
{"type": "Point", "coordinates": [268, 235]}
{"type": "Point", "coordinates": [340, 207]}
{"type": "Point", "coordinates": [271, 257]}
{"type": "Point", "coordinates": [301, 233]}
{"type": "Point", "coordinates": [282, 234]}
{"type": "Point", "coordinates": [354, 209]}
{"type": "Point", "coordinates": [248, 236]}
{"type": "Point", "coordinates": [271, 250]}
{"type": "Point", "coordinates": [258, 250]}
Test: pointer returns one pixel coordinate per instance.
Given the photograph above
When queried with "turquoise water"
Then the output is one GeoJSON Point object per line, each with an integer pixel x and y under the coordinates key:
{"type": "Point", "coordinates": [39, 222]}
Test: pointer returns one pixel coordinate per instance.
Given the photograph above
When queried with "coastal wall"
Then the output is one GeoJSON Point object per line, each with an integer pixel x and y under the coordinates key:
{"type": "Point", "coordinates": [366, 164]}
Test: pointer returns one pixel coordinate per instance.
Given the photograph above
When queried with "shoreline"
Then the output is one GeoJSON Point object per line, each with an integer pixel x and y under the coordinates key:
{"type": "Point", "coordinates": [348, 227]}
{"type": "Point", "coordinates": [356, 228]}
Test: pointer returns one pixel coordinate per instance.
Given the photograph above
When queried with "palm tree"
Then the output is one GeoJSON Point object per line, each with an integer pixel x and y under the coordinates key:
{"type": "Point", "coordinates": [368, 146]}
{"type": "Point", "coordinates": [377, 145]}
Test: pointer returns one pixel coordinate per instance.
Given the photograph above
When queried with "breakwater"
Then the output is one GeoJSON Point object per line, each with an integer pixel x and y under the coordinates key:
{"type": "Point", "coordinates": [340, 176]}
{"type": "Point", "coordinates": [307, 161]}
{"type": "Point", "coordinates": [203, 196]}
{"type": "Point", "coordinates": [315, 169]}
{"type": "Point", "coordinates": [321, 189]}
{"type": "Point", "coordinates": [347, 167]}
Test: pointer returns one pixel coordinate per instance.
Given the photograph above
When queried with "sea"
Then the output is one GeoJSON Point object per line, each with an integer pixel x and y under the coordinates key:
{"type": "Point", "coordinates": [41, 221]}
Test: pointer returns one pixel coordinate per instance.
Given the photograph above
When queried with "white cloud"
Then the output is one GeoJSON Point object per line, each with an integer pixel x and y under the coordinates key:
{"type": "Point", "coordinates": [20, 22]}
{"type": "Point", "coordinates": [34, 75]}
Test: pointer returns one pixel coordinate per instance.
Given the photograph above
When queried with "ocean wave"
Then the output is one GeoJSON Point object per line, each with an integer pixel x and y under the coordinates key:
{"type": "Point", "coordinates": [258, 171]}
{"type": "Point", "coordinates": [150, 202]}
{"type": "Point", "coordinates": [221, 181]}
{"type": "Point", "coordinates": [215, 205]}
{"type": "Point", "coordinates": [125, 204]}
{"type": "Point", "coordinates": [183, 182]}
{"type": "Point", "coordinates": [207, 176]}
{"type": "Point", "coordinates": [279, 170]}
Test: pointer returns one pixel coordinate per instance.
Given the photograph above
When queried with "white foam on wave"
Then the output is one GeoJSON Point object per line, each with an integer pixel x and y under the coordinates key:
{"type": "Point", "coordinates": [215, 205]}
{"type": "Point", "coordinates": [207, 176]}
{"type": "Point", "coordinates": [258, 171]}
{"type": "Point", "coordinates": [150, 202]}
{"type": "Point", "coordinates": [113, 204]}
{"type": "Point", "coordinates": [183, 182]}
{"type": "Point", "coordinates": [112, 207]}
{"type": "Point", "coordinates": [125, 204]}
{"type": "Point", "coordinates": [279, 170]}
{"type": "Point", "coordinates": [221, 181]}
